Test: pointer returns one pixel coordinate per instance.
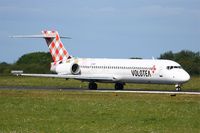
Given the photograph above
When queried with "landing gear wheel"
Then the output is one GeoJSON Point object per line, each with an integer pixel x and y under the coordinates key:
{"type": "Point", "coordinates": [119, 86]}
{"type": "Point", "coordinates": [178, 87]}
{"type": "Point", "coordinates": [92, 86]}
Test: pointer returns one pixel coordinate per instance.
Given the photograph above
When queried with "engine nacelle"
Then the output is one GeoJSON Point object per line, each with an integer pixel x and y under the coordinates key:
{"type": "Point", "coordinates": [68, 68]}
{"type": "Point", "coordinates": [75, 69]}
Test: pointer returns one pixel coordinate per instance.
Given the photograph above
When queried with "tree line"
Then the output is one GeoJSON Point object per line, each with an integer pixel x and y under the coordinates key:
{"type": "Point", "coordinates": [39, 62]}
{"type": "Point", "coordinates": [189, 60]}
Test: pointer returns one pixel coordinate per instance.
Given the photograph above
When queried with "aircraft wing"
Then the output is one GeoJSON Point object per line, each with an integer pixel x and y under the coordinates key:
{"type": "Point", "coordinates": [98, 78]}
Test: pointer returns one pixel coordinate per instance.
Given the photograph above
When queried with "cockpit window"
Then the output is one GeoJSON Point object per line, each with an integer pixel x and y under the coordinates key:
{"type": "Point", "coordinates": [172, 67]}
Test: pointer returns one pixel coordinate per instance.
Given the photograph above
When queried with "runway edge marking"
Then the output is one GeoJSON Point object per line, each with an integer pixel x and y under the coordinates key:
{"type": "Point", "coordinates": [146, 92]}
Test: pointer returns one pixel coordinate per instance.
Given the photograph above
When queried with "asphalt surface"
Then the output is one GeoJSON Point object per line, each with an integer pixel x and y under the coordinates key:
{"type": "Point", "coordinates": [100, 90]}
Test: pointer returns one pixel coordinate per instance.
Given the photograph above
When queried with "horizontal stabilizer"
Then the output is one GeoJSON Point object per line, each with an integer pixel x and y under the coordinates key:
{"type": "Point", "coordinates": [38, 36]}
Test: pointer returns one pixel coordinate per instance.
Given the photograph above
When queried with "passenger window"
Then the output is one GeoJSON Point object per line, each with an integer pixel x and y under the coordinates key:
{"type": "Point", "coordinates": [168, 67]}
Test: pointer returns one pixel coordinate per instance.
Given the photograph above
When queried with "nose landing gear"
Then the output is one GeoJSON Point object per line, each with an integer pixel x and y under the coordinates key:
{"type": "Point", "coordinates": [178, 87]}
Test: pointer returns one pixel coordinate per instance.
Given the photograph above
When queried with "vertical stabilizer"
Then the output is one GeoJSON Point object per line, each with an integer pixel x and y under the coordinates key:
{"type": "Point", "coordinates": [56, 47]}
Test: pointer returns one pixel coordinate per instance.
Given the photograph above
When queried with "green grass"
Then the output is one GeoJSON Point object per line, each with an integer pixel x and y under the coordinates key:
{"type": "Point", "coordinates": [57, 111]}
{"type": "Point", "coordinates": [193, 84]}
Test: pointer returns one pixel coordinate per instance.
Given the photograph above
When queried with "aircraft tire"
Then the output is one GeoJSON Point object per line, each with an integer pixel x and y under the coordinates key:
{"type": "Point", "coordinates": [178, 87]}
{"type": "Point", "coordinates": [119, 86]}
{"type": "Point", "coordinates": [92, 86]}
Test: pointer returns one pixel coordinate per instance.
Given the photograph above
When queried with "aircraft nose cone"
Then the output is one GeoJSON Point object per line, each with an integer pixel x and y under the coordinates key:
{"type": "Point", "coordinates": [187, 77]}
{"type": "Point", "coordinates": [182, 77]}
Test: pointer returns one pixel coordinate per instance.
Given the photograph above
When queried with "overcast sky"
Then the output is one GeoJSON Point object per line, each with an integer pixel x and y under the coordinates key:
{"type": "Point", "coordinates": [101, 28]}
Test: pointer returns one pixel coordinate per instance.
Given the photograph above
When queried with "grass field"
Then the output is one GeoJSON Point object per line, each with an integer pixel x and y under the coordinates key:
{"type": "Point", "coordinates": [27, 111]}
{"type": "Point", "coordinates": [43, 111]}
{"type": "Point", "coordinates": [193, 84]}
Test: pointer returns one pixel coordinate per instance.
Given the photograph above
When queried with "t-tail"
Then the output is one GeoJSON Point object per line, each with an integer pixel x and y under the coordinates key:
{"type": "Point", "coordinates": [56, 47]}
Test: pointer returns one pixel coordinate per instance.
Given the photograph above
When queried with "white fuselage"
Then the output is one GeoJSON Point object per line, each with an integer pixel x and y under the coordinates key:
{"type": "Point", "coordinates": [127, 70]}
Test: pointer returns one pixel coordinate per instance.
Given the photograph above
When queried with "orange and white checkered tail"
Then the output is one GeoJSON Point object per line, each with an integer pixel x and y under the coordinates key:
{"type": "Point", "coordinates": [55, 45]}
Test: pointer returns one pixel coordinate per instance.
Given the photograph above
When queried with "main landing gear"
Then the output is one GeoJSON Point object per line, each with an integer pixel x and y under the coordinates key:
{"type": "Point", "coordinates": [119, 86]}
{"type": "Point", "coordinates": [93, 86]}
{"type": "Point", "coordinates": [178, 87]}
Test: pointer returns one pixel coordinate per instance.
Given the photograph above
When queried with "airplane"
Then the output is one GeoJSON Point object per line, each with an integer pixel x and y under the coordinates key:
{"type": "Point", "coordinates": [104, 70]}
